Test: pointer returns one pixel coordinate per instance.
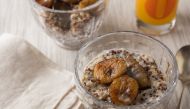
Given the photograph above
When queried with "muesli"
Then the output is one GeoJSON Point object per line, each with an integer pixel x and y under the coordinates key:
{"type": "Point", "coordinates": [123, 78]}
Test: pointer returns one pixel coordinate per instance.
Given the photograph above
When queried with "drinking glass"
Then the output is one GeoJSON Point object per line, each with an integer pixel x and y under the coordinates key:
{"type": "Point", "coordinates": [156, 17]}
{"type": "Point", "coordinates": [133, 42]}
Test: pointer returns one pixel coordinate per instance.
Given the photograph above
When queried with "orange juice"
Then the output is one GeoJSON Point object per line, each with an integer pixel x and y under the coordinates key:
{"type": "Point", "coordinates": [156, 12]}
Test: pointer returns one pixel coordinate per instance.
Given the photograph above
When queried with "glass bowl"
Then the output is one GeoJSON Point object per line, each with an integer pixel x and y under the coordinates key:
{"type": "Point", "coordinates": [133, 42]}
{"type": "Point", "coordinates": [70, 28]}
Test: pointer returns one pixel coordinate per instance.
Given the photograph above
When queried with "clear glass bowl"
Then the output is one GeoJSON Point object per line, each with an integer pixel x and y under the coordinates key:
{"type": "Point", "coordinates": [71, 28]}
{"type": "Point", "coordinates": [134, 42]}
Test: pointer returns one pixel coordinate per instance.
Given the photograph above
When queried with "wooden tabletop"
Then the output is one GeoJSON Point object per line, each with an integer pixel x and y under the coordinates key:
{"type": "Point", "coordinates": [16, 18]}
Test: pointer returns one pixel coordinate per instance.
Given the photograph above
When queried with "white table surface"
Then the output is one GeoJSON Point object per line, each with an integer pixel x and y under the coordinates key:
{"type": "Point", "coordinates": [16, 18]}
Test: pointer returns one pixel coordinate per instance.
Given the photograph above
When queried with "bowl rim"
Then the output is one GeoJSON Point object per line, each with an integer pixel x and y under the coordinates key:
{"type": "Point", "coordinates": [137, 34]}
{"type": "Point", "coordinates": [99, 2]}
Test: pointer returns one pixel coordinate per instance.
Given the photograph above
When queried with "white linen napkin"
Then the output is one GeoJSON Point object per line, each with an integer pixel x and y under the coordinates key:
{"type": "Point", "coordinates": [28, 80]}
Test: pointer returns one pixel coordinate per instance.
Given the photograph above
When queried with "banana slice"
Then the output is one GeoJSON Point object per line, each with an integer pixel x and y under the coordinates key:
{"type": "Point", "coordinates": [137, 72]}
{"type": "Point", "coordinates": [71, 1]}
{"type": "Point", "coordinates": [109, 69]}
{"type": "Point", "coordinates": [123, 90]}
{"type": "Point", "coordinates": [46, 3]}
{"type": "Point", "coordinates": [85, 3]}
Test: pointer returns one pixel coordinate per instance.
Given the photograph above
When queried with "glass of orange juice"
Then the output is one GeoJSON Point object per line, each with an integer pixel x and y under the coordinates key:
{"type": "Point", "coordinates": [156, 17]}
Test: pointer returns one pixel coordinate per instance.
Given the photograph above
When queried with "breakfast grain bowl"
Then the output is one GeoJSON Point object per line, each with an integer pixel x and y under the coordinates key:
{"type": "Point", "coordinates": [70, 22]}
{"type": "Point", "coordinates": [125, 70]}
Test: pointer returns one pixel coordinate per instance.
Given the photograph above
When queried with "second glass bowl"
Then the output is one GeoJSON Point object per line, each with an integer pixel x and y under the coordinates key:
{"type": "Point", "coordinates": [133, 42]}
{"type": "Point", "coordinates": [70, 28]}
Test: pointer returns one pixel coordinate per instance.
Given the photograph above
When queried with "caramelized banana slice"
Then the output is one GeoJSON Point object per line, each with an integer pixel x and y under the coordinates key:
{"type": "Point", "coordinates": [60, 5]}
{"type": "Point", "coordinates": [71, 1]}
{"type": "Point", "coordinates": [46, 3]}
{"type": "Point", "coordinates": [109, 69]}
{"type": "Point", "coordinates": [123, 90]}
{"type": "Point", "coordinates": [137, 72]}
{"type": "Point", "coordinates": [85, 3]}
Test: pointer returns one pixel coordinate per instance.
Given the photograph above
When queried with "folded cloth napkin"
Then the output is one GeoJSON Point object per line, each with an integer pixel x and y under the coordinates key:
{"type": "Point", "coordinates": [31, 81]}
